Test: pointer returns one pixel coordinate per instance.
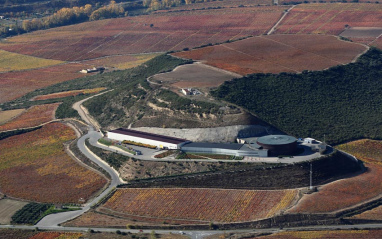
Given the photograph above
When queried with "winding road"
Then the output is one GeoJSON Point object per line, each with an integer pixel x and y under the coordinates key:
{"type": "Point", "coordinates": [53, 220]}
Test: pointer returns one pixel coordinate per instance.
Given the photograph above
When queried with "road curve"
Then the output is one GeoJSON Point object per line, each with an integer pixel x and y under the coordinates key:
{"type": "Point", "coordinates": [56, 219]}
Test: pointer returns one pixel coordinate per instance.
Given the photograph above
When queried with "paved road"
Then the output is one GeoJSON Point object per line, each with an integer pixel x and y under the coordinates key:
{"type": "Point", "coordinates": [56, 219]}
{"type": "Point", "coordinates": [201, 234]}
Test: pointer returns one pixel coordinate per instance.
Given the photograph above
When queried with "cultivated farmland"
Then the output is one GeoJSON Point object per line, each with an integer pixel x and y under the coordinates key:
{"type": "Point", "coordinates": [17, 84]}
{"type": "Point", "coordinates": [373, 214]}
{"type": "Point", "coordinates": [69, 93]}
{"type": "Point", "coordinates": [34, 166]}
{"type": "Point", "coordinates": [34, 116]}
{"type": "Point", "coordinates": [13, 62]}
{"type": "Point", "coordinates": [8, 207]}
{"type": "Point", "coordinates": [9, 114]}
{"type": "Point", "coordinates": [121, 62]}
{"type": "Point", "coordinates": [168, 31]}
{"type": "Point", "coordinates": [330, 18]}
{"type": "Point", "coordinates": [195, 75]}
{"type": "Point", "coordinates": [350, 191]}
{"type": "Point", "coordinates": [205, 205]}
{"type": "Point", "coordinates": [277, 53]}
{"type": "Point", "coordinates": [337, 234]}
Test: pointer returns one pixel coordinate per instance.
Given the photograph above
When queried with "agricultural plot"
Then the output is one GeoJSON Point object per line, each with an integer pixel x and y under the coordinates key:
{"type": "Point", "coordinates": [195, 75]}
{"type": "Point", "coordinates": [34, 166]}
{"type": "Point", "coordinates": [122, 62]}
{"type": "Point", "coordinates": [205, 205]}
{"type": "Point", "coordinates": [364, 35]}
{"type": "Point", "coordinates": [335, 234]}
{"type": "Point", "coordinates": [330, 18]}
{"type": "Point", "coordinates": [68, 93]}
{"type": "Point", "coordinates": [9, 114]}
{"type": "Point", "coordinates": [17, 84]}
{"type": "Point", "coordinates": [373, 214]}
{"type": "Point", "coordinates": [377, 43]}
{"type": "Point", "coordinates": [34, 116]}
{"type": "Point", "coordinates": [277, 53]}
{"type": "Point", "coordinates": [14, 62]}
{"type": "Point", "coordinates": [350, 191]}
{"type": "Point", "coordinates": [8, 207]}
{"type": "Point", "coordinates": [168, 31]}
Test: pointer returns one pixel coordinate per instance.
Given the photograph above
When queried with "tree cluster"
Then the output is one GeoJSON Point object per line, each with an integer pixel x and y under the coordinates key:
{"type": "Point", "coordinates": [340, 104]}
{"type": "Point", "coordinates": [65, 16]}
{"type": "Point", "coordinates": [161, 4]}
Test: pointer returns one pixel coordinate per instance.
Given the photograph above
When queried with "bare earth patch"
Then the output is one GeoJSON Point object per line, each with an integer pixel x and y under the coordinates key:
{"type": "Point", "coordinates": [8, 207]}
{"type": "Point", "coordinates": [195, 75]}
{"type": "Point", "coordinates": [9, 114]}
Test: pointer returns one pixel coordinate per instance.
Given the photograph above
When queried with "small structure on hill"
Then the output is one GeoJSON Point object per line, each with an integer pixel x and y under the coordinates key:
{"type": "Point", "coordinates": [190, 91]}
{"type": "Point", "coordinates": [94, 69]}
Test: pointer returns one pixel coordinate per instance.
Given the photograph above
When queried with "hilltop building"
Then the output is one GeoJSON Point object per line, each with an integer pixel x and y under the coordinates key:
{"type": "Point", "coordinates": [160, 141]}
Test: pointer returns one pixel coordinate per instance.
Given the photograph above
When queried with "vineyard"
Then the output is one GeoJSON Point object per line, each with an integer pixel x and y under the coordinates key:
{"type": "Point", "coordinates": [373, 214]}
{"type": "Point", "coordinates": [350, 191]}
{"type": "Point", "coordinates": [205, 205]}
{"type": "Point", "coordinates": [168, 31]}
{"type": "Point", "coordinates": [277, 53]}
{"type": "Point", "coordinates": [34, 116]}
{"type": "Point", "coordinates": [34, 166]}
{"type": "Point", "coordinates": [69, 93]}
{"type": "Point", "coordinates": [337, 234]}
{"type": "Point", "coordinates": [18, 83]}
{"type": "Point", "coordinates": [330, 18]}
{"type": "Point", "coordinates": [14, 62]}
{"type": "Point", "coordinates": [122, 62]}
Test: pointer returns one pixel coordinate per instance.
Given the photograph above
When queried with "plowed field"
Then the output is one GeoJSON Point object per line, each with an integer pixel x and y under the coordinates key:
{"type": "Point", "coordinates": [200, 204]}
{"type": "Point", "coordinates": [277, 53]}
{"type": "Point", "coordinates": [153, 33]}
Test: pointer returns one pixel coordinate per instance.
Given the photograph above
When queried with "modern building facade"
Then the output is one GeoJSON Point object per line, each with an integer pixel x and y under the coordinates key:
{"type": "Point", "coordinates": [160, 141]}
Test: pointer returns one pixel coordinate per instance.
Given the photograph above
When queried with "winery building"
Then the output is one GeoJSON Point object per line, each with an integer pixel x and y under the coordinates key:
{"type": "Point", "coordinates": [160, 141]}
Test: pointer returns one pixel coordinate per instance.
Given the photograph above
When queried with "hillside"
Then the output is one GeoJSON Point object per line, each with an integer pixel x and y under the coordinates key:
{"type": "Point", "coordinates": [136, 102]}
{"type": "Point", "coordinates": [342, 103]}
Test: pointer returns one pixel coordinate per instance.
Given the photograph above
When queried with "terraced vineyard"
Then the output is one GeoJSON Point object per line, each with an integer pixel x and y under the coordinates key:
{"type": "Point", "coordinates": [34, 166]}
{"type": "Point", "coordinates": [206, 205]}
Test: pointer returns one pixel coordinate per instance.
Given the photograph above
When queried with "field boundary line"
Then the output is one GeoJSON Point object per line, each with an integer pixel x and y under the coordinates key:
{"type": "Point", "coordinates": [280, 20]}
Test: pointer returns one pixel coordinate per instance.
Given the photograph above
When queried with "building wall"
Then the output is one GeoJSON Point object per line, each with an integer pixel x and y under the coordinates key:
{"type": "Point", "coordinates": [283, 149]}
{"type": "Point", "coordinates": [255, 153]}
{"type": "Point", "coordinates": [159, 144]}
